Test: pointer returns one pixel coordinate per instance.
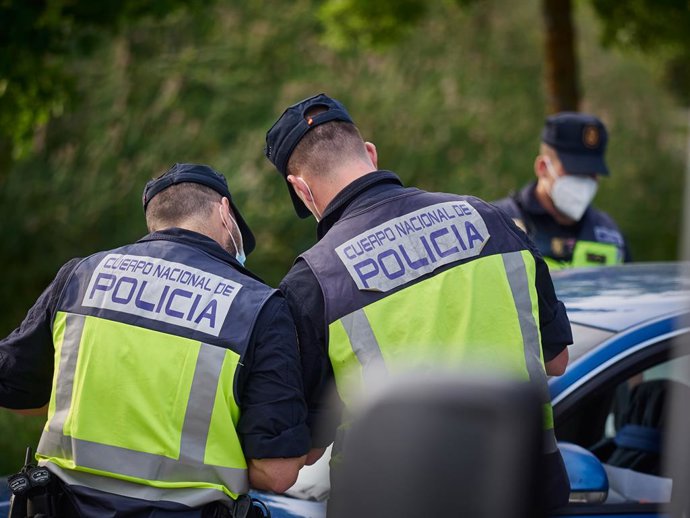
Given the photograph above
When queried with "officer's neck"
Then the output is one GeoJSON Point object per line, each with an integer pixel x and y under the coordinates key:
{"type": "Point", "coordinates": [212, 228]}
{"type": "Point", "coordinates": [327, 187]}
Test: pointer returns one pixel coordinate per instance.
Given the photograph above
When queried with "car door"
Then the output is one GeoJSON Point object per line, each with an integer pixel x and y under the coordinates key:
{"type": "Point", "coordinates": [617, 411]}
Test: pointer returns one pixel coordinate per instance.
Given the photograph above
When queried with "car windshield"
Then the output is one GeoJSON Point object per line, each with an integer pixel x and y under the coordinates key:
{"type": "Point", "coordinates": [585, 338]}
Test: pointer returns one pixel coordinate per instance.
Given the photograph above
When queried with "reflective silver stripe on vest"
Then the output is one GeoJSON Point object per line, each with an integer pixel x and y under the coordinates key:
{"type": "Point", "coordinates": [364, 345]}
{"type": "Point", "coordinates": [74, 327]}
{"type": "Point", "coordinates": [113, 459]}
{"type": "Point", "coordinates": [194, 497]}
{"type": "Point", "coordinates": [197, 419]}
{"type": "Point", "coordinates": [519, 286]}
{"type": "Point", "coordinates": [146, 466]}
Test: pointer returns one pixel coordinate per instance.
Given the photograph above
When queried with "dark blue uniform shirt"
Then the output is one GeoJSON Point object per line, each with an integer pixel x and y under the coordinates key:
{"type": "Point", "coordinates": [273, 412]}
{"type": "Point", "coordinates": [555, 240]}
{"type": "Point", "coordinates": [307, 305]}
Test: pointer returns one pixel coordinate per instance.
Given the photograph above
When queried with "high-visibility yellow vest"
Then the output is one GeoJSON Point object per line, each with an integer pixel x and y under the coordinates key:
{"type": "Point", "coordinates": [148, 339]}
{"type": "Point", "coordinates": [429, 280]}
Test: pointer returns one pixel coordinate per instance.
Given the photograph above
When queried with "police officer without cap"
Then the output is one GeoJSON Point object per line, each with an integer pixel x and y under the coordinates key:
{"type": "Point", "coordinates": [403, 274]}
{"type": "Point", "coordinates": [556, 210]}
{"type": "Point", "coordinates": [177, 381]}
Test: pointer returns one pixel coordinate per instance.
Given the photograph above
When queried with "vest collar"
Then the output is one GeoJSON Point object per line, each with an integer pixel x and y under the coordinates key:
{"type": "Point", "coordinates": [354, 191]}
{"type": "Point", "coordinates": [199, 241]}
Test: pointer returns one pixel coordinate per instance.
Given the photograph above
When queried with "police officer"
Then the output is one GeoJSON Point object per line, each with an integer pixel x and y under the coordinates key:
{"type": "Point", "coordinates": [403, 276]}
{"type": "Point", "coordinates": [171, 371]}
{"type": "Point", "coordinates": [555, 210]}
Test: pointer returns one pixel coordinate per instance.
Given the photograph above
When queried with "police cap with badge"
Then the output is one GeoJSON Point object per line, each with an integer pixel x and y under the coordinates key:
{"type": "Point", "coordinates": [579, 140]}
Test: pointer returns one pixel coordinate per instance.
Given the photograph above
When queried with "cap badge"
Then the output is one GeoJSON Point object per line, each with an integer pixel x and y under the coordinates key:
{"type": "Point", "coordinates": [590, 136]}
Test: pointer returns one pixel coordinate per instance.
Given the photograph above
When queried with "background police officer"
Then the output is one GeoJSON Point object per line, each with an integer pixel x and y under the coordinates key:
{"type": "Point", "coordinates": [403, 276]}
{"type": "Point", "coordinates": [556, 210]}
{"type": "Point", "coordinates": [177, 381]}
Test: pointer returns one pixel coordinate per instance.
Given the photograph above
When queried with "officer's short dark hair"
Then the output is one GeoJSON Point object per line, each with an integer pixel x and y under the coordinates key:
{"type": "Point", "coordinates": [179, 203]}
{"type": "Point", "coordinates": [322, 148]}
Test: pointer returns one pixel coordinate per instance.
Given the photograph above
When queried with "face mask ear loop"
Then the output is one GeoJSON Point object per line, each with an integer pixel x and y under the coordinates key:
{"type": "Point", "coordinates": [240, 250]}
{"type": "Point", "coordinates": [318, 214]}
{"type": "Point", "coordinates": [234, 243]}
{"type": "Point", "coordinates": [549, 167]}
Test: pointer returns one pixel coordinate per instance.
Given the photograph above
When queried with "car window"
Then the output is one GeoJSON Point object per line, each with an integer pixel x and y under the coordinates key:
{"type": "Point", "coordinates": [665, 376]}
{"type": "Point", "coordinates": [677, 369]}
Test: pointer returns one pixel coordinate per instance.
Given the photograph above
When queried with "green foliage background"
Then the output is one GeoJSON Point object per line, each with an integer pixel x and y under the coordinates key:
{"type": "Point", "coordinates": [456, 106]}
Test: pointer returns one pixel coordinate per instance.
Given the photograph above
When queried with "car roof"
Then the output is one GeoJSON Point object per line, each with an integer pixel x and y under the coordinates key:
{"type": "Point", "coordinates": [615, 298]}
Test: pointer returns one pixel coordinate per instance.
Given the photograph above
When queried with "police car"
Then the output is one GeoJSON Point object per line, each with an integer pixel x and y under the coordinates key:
{"type": "Point", "coordinates": [631, 325]}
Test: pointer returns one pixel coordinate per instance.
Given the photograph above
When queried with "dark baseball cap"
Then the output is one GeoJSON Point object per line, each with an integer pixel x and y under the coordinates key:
{"type": "Point", "coordinates": [579, 140]}
{"type": "Point", "coordinates": [203, 175]}
{"type": "Point", "coordinates": [289, 129]}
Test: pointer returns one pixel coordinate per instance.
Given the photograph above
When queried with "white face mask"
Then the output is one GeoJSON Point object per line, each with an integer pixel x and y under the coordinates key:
{"type": "Point", "coordinates": [239, 250]}
{"type": "Point", "coordinates": [318, 214]}
{"type": "Point", "coordinates": [571, 194]}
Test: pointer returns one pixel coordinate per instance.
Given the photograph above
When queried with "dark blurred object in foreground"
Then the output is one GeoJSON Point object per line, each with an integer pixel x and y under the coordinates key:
{"type": "Point", "coordinates": [445, 446]}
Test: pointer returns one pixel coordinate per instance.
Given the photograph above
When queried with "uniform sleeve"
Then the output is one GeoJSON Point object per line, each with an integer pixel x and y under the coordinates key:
{"type": "Point", "coordinates": [627, 256]}
{"type": "Point", "coordinates": [556, 334]}
{"type": "Point", "coordinates": [27, 354]}
{"type": "Point", "coordinates": [273, 414]}
{"type": "Point", "coordinates": [304, 297]}
{"type": "Point", "coordinates": [508, 206]}
{"type": "Point", "coordinates": [604, 219]}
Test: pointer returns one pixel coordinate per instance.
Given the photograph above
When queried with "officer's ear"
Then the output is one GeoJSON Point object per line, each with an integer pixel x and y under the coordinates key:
{"type": "Point", "coordinates": [300, 187]}
{"type": "Point", "coordinates": [540, 169]}
{"type": "Point", "coordinates": [373, 154]}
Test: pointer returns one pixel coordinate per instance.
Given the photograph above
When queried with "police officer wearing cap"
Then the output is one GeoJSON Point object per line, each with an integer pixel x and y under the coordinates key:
{"type": "Point", "coordinates": [555, 210]}
{"type": "Point", "coordinates": [170, 372]}
{"type": "Point", "coordinates": [402, 277]}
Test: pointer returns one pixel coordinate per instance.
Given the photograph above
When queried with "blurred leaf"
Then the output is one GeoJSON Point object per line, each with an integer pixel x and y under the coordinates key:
{"type": "Point", "coordinates": [656, 27]}
{"type": "Point", "coordinates": [37, 38]}
{"type": "Point", "coordinates": [369, 24]}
